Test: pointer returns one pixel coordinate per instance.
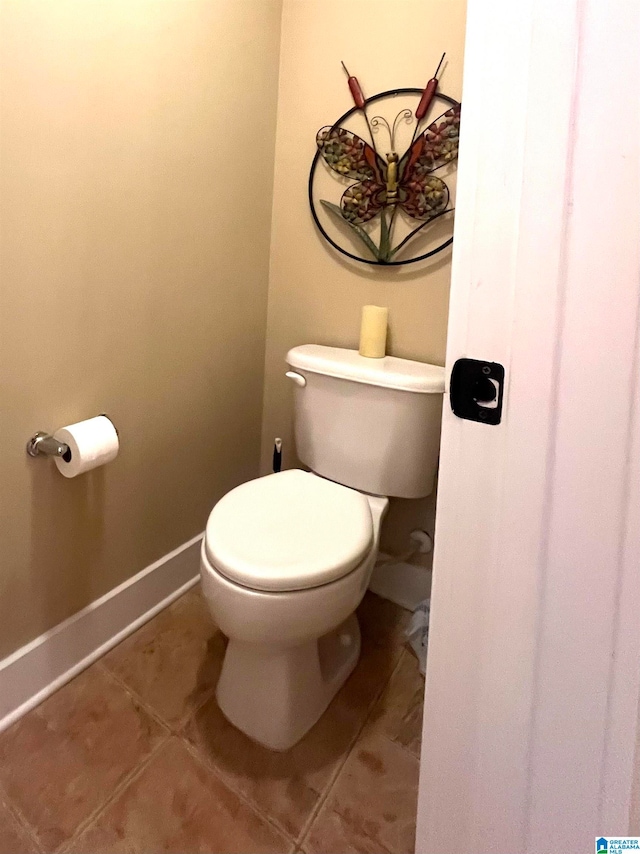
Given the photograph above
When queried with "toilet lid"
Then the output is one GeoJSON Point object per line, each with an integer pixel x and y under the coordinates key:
{"type": "Point", "coordinates": [288, 531]}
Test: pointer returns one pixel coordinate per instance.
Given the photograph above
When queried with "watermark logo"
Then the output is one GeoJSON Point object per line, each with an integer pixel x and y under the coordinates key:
{"type": "Point", "coordinates": [617, 844]}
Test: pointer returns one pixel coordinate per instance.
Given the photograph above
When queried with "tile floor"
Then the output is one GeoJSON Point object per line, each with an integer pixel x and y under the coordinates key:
{"type": "Point", "coordinates": [134, 755]}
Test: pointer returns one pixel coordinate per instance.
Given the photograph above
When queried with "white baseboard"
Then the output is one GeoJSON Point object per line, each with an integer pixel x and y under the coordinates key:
{"type": "Point", "coordinates": [36, 670]}
{"type": "Point", "coordinates": [406, 584]}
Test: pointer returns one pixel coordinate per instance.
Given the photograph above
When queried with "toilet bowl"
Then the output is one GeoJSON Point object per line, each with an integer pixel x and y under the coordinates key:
{"type": "Point", "coordinates": [286, 560]}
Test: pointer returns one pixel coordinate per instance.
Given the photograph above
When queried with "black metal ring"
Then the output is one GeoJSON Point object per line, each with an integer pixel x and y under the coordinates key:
{"type": "Point", "coordinates": [410, 90]}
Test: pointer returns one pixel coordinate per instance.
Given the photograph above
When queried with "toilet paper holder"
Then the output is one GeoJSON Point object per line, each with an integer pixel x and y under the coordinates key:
{"type": "Point", "coordinates": [44, 444]}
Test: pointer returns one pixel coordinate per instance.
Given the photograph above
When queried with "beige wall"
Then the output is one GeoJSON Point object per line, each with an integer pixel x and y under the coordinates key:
{"type": "Point", "coordinates": [136, 168]}
{"type": "Point", "coordinates": [316, 296]}
{"type": "Point", "coordinates": [135, 203]}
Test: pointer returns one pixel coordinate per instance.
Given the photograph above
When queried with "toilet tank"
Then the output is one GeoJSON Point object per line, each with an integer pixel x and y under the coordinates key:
{"type": "Point", "coordinates": [371, 424]}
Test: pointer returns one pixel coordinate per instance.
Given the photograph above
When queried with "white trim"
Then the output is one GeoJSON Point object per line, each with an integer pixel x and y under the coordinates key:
{"type": "Point", "coordinates": [406, 584]}
{"type": "Point", "coordinates": [29, 675]}
{"type": "Point", "coordinates": [533, 678]}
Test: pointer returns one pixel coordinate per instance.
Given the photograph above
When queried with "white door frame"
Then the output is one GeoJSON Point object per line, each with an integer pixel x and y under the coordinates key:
{"type": "Point", "coordinates": [533, 677]}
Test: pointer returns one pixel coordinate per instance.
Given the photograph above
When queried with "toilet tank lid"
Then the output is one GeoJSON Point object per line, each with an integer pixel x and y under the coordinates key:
{"type": "Point", "coordinates": [388, 372]}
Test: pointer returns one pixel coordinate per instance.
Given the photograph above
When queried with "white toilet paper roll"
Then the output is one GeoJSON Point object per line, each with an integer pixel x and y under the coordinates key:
{"type": "Point", "coordinates": [92, 443]}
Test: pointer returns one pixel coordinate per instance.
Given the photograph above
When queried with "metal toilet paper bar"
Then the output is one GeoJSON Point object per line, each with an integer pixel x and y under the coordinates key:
{"type": "Point", "coordinates": [46, 445]}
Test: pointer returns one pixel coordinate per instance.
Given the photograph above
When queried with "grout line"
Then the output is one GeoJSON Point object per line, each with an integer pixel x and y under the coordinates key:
{"type": "Point", "coordinates": [203, 760]}
{"type": "Point", "coordinates": [178, 726]}
{"type": "Point", "coordinates": [332, 780]}
{"type": "Point", "coordinates": [113, 795]}
{"type": "Point", "coordinates": [398, 744]}
{"type": "Point", "coordinates": [372, 707]}
{"type": "Point", "coordinates": [135, 697]}
{"type": "Point", "coordinates": [178, 730]}
{"type": "Point", "coordinates": [196, 708]}
{"type": "Point", "coordinates": [406, 653]}
{"type": "Point", "coordinates": [381, 733]}
{"type": "Point", "coordinates": [128, 778]}
{"type": "Point", "coordinates": [165, 735]}
{"type": "Point", "coordinates": [16, 814]}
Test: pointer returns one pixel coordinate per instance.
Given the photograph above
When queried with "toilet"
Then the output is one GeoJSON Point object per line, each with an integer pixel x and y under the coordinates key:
{"type": "Point", "coordinates": [286, 558]}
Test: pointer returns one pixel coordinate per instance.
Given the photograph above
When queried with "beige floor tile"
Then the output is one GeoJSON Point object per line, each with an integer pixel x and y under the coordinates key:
{"type": "Point", "coordinates": [382, 627]}
{"type": "Point", "coordinates": [14, 839]}
{"type": "Point", "coordinates": [398, 713]}
{"type": "Point", "coordinates": [173, 662]}
{"type": "Point", "coordinates": [175, 806]}
{"type": "Point", "coordinates": [287, 785]}
{"type": "Point", "coordinates": [333, 834]}
{"type": "Point", "coordinates": [279, 784]}
{"type": "Point", "coordinates": [376, 794]}
{"type": "Point", "coordinates": [61, 761]}
{"type": "Point", "coordinates": [382, 621]}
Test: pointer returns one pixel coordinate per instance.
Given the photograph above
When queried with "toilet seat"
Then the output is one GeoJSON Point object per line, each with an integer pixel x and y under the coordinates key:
{"type": "Point", "coordinates": [289, 531]}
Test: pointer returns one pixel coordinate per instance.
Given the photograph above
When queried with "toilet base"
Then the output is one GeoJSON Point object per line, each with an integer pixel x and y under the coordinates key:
{"type": "Point", "coordinates": [276, 694]}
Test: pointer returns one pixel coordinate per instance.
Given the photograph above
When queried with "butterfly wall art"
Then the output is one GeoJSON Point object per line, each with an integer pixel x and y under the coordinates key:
{"type": "Point", "coordinates": [395, 202]}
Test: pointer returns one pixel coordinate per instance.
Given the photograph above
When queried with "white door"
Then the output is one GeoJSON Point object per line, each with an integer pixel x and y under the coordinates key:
{"type": "Point", "coordinates": [533, 675]}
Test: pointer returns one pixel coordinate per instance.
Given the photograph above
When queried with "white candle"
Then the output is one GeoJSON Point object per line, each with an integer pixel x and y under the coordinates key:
{"type": "Point", "coordinates": [373, 331]}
